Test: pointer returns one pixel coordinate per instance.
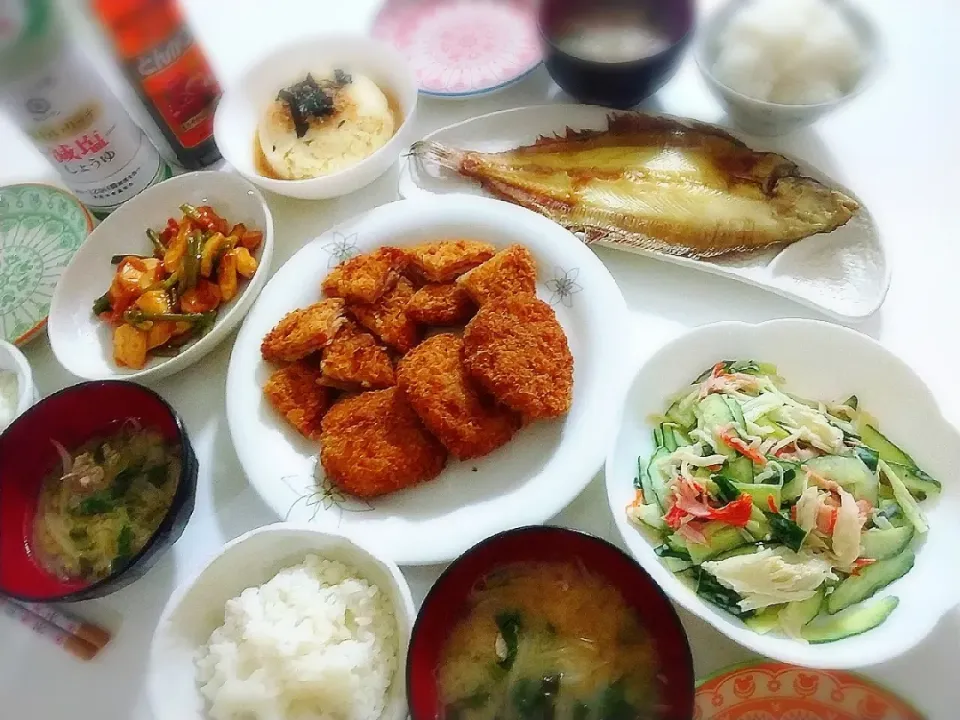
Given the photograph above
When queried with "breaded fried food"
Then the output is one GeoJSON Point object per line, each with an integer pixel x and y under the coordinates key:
{"type": "Point", "coordinates": [448, 259]}
{"type": "Point", "coordinates": [387, 318]}
{"type": "Point", "coordinates": [365, 278]}
{"type": "Point", "coordinates": [356, 361]}
{"type": "Point", "coordinates": [443, 304]}
{"type": "Point", "coordinates": [512, 271]}
{"type": "Point", "coordinates": [303, 331]}
{"type": "Point", "coordinates": [465, 419]}
{"type": "Point", "coordinates": [374, 443]}
{"type": "Point", "coordinates": [516, 350]}
{"type": "Point", "coordinates": [295, 393]}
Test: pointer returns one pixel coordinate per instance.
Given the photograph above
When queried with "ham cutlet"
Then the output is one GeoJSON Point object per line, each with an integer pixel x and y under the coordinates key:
{"type": "Point", "coordinates": [374, 443]}
{"type": "Point", "coordinates": [294, 392]}
{"type": "Point", "coordinates": [446, 260]}
{"type": "Point", "coordinates": [516, 350]}
{"type": "Point", "coordinates": [442, 304]}
{"type": "Point", "coordinates": [365, 278]}
{"type": "Point", "coordinates": [303, 331]}
{"type": "Point", "coordinates": [356, 361]}
{"type": "Point", "coordinates": [467, 421]}
{"type": "Point", "coordinates": [387, 318]}
{"type": "Point", "coordinates": [510, 272]}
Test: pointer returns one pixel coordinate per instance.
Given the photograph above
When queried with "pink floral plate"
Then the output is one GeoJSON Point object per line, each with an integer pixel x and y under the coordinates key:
{"type": "Point", "coordinates": [463, 48]}
{"type": "Point", "coordinates": [774, 691]}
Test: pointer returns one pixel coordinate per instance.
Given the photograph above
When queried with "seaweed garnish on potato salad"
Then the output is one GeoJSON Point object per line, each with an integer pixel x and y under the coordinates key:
{"type": "Point", "coordinates": [789, 513]}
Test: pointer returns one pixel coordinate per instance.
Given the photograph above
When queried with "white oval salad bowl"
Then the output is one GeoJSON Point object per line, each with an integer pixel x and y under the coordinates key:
{"type": "Point", "coordinates": [82, 342]}
{"type": "Point", "coordinates": [196, 609]}
{"type": "Point", "coordinates": [828, 363]}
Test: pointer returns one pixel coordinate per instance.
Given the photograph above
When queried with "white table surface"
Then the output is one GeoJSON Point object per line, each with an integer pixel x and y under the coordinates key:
{"type": "Point", "coordinates": [897, 146]}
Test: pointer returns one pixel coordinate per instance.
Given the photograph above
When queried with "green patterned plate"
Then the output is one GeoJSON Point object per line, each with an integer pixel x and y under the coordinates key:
{"type": "Point", "coordinates": [41, 227]}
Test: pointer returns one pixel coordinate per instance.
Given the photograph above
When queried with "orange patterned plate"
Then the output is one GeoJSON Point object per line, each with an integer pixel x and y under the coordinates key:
{"type": "Point", "coordinates": [774, 691]}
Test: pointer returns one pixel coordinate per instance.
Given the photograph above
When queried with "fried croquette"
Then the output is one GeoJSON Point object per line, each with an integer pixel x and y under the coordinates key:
{"type": "Point", "coordinates": [447, 259]}
{"type": "Point", "coordinates": [303, 331]}
{"type": "Point", "coordinates": [516, 350]}
{"type": "Point", "coordinates": [387, 318]}
{"type": "Point", "coordinates": [365, 278]}
{"type": "Point", "coordinates": [510, 272]}
{"type": "Point", "coordinates": [445, 304]}
{"type": "Point", "coordinates": [294, 392]}
{"type": "Point", "coordinates": [354, 360]}
{"type": "Point", "coordinates": [374, 443]}
{"type": "Point", "coordinates": [466, 420]}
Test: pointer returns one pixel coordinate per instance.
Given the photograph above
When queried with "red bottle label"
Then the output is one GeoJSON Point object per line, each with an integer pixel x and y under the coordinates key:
{"type": "Point", "coordinates": [178, 80]}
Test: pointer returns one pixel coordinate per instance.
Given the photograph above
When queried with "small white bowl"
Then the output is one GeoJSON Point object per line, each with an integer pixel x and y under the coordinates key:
{"type": "Point", "coordinates": [759, 117]}
{"type": "Point", "coordinates": [82, 343]}
{"type": "Point", "coordinates": [12, 360]}
{"type": "Point", "coordinates": [196, 609]}
{"type": "Point", "coordinates": [826, 362]}
{"type": "Point", "coordinates": [243, 104]}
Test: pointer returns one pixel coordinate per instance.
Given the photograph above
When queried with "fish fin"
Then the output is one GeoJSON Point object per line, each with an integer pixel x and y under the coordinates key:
{"type": "Point", "coordinates": [624, 240]}
{"type": "Point", "coordinates": [429, 152]}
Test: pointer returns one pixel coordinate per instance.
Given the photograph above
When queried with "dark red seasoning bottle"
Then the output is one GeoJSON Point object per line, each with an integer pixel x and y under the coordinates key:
{"type": "Point", "coordinates": [169, 72]}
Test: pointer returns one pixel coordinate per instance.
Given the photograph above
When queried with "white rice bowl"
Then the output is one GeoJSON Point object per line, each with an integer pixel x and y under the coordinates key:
{"type": "Point", "coordinates": [318, 641]}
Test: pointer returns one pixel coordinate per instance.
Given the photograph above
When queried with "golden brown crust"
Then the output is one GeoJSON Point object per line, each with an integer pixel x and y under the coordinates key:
{"type": "Point", "coordinates": [445, 260]}
{"type": "Point", "coordinates": [387, 318]}
{"type": "Point", "coordinates": [510, 272]}
{"type": "Point", "coordinates": [374, 443]}
{"type": "Point", "coordinates": [294, 392]}
{"type": "Point", "coordinates": [516, 350]}
{"type": "Point", "coordinates": [355, 361]}
{"type": "Point", "coordinates": [303, 331]}
{"type": "Point", "coordinates": [445, 304]}
{"type": "Point", "coordinates": [466, 420]}
{"type": "Point", "coordinates": [365, 278]}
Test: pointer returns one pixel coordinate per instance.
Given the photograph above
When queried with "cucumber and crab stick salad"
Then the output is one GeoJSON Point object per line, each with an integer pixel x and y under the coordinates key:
{"type": "Point", "coordinates": [788, 513]}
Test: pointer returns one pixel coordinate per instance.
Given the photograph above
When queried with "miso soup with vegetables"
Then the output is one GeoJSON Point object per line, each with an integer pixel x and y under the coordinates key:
{"type": "Point", "coordinates": [104, 503]}
{"type": "Point", "coordinates": [548, 641]}
{"type": "Point", "coordinates": [789, 513]}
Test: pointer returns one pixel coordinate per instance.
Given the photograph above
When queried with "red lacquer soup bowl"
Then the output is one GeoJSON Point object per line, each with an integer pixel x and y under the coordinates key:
{"type": "Point", "coordinates": [71, 417]}
{"type": "Point", "coordinates": [448, 601]}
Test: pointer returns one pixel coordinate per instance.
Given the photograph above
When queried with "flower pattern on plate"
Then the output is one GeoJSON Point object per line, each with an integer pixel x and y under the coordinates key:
{"type": "Point", "coordinates": [563, 286]}
{"type": "Point", "coordinates": [463, 47]}
{"type": "Point", "coordinates": [41, 228]}
{"type": "Point", "coordinates": [775, 691]}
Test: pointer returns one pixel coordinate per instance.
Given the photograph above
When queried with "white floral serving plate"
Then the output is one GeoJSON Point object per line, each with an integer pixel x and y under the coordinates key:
{"type": "Point", "coordinates": [83, 343]}
{"type": "Point", "coordinates": [843, 273]}
{"type": "Point", "coordinates": [527, 481]}
{"type": "Point", "coordinates": [827, 362]}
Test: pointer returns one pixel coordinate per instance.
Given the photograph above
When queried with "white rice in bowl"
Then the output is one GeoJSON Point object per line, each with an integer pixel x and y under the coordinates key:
{"type": "Point", "coordinates": [318, 641]}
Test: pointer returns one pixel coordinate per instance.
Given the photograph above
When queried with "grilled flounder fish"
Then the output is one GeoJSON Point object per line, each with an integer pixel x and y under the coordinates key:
{"type": "Point", "coordinates": [657, 183]}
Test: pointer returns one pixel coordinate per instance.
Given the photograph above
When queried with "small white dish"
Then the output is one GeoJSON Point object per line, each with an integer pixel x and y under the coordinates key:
{"type": "Point", "coordinates": [82, 343]}
{"type": "Point", "coordinates": [822, 361]}
{"type": "Point", "coordinates": [243, 104]}
{"type": "Point", "coordinates": [843, 273]}
{"type": "Point", "coordinates": [196, 609]}
{"type": "Point", "coordinates": [767, 118]}
{"type": "Point", "coordinates": [527, 481]}
{"type": "Point", "coordinates": [12, 360]}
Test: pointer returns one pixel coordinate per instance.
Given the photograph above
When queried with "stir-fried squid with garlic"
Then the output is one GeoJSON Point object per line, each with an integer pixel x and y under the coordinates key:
{"type": "Point", "coordinates": [786, 512]}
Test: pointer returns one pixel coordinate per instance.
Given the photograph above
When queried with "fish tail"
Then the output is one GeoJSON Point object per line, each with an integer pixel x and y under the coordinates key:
{"type": "Point", "coordinates": [427, 152]}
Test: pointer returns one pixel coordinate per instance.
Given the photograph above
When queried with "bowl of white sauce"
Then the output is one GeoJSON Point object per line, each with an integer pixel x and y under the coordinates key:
{"type": "Point", "coordinates": [17, 391]}
{"type": "Point", "coordinates": [779, 65]}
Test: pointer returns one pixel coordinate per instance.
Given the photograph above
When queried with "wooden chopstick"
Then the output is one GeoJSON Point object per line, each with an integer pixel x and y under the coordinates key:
{"type": "Point", "coordinates": [78, 637]}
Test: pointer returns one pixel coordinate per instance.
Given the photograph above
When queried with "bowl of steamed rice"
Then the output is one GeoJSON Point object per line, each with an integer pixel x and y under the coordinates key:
{"type": "Point", "coordinates": [286, 622]}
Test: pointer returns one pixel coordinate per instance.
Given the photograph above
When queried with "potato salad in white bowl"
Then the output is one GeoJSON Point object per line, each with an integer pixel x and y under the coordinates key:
{"type": "Point", "coordinates": [792, 484]}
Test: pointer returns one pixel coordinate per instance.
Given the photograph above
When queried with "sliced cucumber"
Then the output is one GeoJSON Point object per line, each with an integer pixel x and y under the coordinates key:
{"type": "Point", "coordinates": [902, 495]}
{"type": "Point", "coordinates": [794, 487]}
{"type": "Point", "coordinates": [678, 545]}
{"type": "Point", "coordinates": [760, 494]}
{"type": "Point", "coordinates": [737, 551]}
{"type": "Point", "coordinates": [852, 402]}
{"type": "Point", "coordinates": [664, 438]}
{"type": "Point", "coordinates": [649, 494]}
{"type": "Point", "coordinates": [720, 538]}
{"type": "Point", "coordinates": [883, 544]}
{"type": "Point", "coordinates": [776, 431]}
{"type": "Point", "coordinates": [765, 621]}
{"type": "Point", "coordinates": [739, 470]}
{"type": "Point", "coordinates": [871, 579]}
{"type": "Point", "coordinates": [853, 621]}
{"type": "Point", "coordinates": [848, 472]}
{"type": "Point", "coordinates": [714, 413]}
{"type": "Point", "coordinates": [657, 478]}
{"type": "Point", "coordinates": [868, 455]}
{"type": "Point", "coordinates": [681, 412]}
{"type": "Point", "coordinates": [800, 613]}
{"type": "Point", "coordinates": [920, 485]}
{"type": "Point", "coordinates": [736, 411]}
{"type": "Point", "coordinates": [676, 565]}
{"type": "Point", "coordinates": [758, 526]}
{"type": "Point", "coordinates": [889, 452]}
